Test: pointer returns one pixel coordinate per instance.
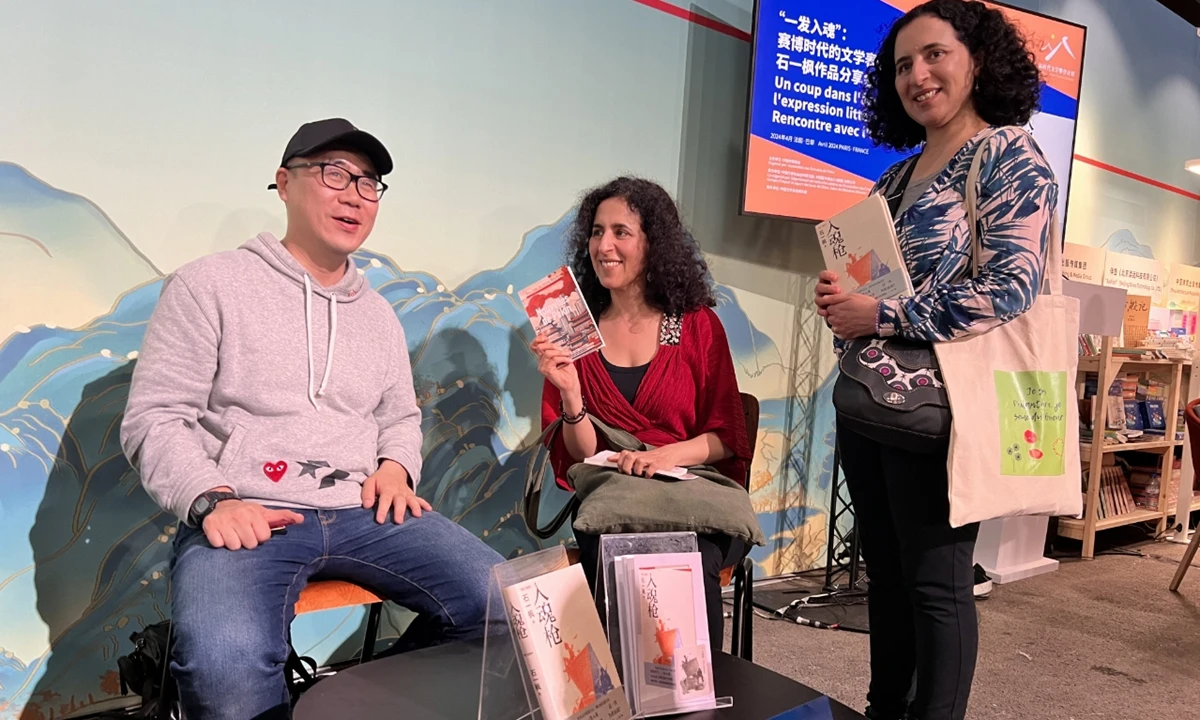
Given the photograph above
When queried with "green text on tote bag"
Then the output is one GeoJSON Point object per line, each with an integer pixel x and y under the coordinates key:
{"type": "Point", "coordinates": [1033, 422]}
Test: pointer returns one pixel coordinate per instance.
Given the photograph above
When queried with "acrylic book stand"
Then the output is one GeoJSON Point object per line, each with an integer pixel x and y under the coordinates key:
{"type": "Point", "coordinates": [507, 690]}
{"type": "Point", "coordinates": [614, 546]}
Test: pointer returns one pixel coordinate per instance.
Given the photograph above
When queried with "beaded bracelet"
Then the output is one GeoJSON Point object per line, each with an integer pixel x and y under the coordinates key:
{"type": "Point", "coordinates": [573, 419]}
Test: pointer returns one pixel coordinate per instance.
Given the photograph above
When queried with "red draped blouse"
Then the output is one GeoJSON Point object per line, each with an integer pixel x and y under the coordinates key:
{"type": "Point", "coordinates": [689, 389]}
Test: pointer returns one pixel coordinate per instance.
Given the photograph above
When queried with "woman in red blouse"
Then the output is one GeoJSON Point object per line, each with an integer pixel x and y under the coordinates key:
{"type": "Point", "coordinates": [665, 374]}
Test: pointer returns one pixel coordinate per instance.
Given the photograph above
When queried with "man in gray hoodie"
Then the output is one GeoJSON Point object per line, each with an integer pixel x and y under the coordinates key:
{"type": "Point", "coordinates": [274, 390]}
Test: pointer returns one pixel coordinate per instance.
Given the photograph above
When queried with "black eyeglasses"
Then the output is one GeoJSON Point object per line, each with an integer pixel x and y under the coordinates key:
{"type": "Point", "coordinates": [337, 177]}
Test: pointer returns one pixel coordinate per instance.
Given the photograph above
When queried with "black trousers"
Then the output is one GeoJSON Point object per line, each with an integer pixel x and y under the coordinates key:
{"type": "Point", "coordinates": [716, 552]}
{"type": "Point", "coordinates": [921, 600]}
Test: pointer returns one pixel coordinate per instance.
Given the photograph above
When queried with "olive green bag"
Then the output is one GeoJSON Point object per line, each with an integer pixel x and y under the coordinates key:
{"type": "Point", "coordinates": [610, 501]}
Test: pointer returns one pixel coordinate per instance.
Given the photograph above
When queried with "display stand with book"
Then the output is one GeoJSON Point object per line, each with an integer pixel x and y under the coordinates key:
{"type": "Point", "coordinates": [654, 599]}
{"type": "Point", "coordinates": [546, 657]}
{"type": "Point", "coordinates": [1131, 426]}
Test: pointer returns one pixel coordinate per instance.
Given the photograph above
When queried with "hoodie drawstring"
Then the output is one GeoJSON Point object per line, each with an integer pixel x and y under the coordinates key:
{"type": "Point", "coordinates": [332, 339]}
{"type": "Point", "coordinates": [312, 398]}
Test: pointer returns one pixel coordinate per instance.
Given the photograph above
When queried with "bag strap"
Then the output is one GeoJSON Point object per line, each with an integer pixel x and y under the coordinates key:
{"type": "Point", "coordinates": [972, 201]}
{"type": "Point", "coordinates": [897, 192]}
{"type": "Point", "coordinates": [535, 473]}
{"type": "Point", "coordinates": [1053, 272]}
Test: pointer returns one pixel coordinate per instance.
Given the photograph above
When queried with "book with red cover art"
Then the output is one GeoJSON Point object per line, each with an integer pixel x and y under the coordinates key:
{"type": "Point", "coordinates": [665, 648]}
{"type": "Point", "coordinates": [557, 628]}
{"type": "Point", "coordinates": [559, 314]}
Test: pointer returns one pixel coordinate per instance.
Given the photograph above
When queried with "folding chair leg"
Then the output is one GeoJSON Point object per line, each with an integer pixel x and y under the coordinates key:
{"type": "Point", "coordinates": [746, 651]}
{"type": "Point", "coordinates": [374, 612]}
{"type": "Point", "coordinates": [1187, 559]}
{"type": "Point", "coordinates": [735, 648]}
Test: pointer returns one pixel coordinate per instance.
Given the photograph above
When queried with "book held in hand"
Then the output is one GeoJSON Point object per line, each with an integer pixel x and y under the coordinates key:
{"type": "Point", "coordinates": [860, 245]}
{"type": "Point", "coordinates": [557, 629]}
{"type": "Point", "coordinates": [559, 314]}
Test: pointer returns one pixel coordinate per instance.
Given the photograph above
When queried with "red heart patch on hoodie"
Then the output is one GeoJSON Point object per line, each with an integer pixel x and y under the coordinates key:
{"type": "Point", "coordinates": [275, 470]}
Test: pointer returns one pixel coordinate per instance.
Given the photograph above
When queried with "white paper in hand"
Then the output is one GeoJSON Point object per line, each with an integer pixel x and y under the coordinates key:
{"type": "Point", "coordinates": [608, 458]}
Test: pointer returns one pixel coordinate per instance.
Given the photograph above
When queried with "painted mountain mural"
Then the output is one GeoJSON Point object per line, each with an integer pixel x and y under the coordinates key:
{"type": "Point", "coordinates": [87, 553]}
{"type": "Point", "coordinates": [62, 240]}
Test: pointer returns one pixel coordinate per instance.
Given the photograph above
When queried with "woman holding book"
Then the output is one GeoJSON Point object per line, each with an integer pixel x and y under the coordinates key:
{"type": "Point", "coordinates": [665, 374]}
{"type": "Point", "coordinates": [951, 77]}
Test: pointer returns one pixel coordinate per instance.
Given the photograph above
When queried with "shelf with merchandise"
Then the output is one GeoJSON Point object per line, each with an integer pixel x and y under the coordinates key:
{"type": "Point", "coordinates": [1159, 380]}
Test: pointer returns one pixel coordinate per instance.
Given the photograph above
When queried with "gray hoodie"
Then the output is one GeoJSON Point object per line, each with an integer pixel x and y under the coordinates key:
{"type": "Point", "coordinates": [253, 376]}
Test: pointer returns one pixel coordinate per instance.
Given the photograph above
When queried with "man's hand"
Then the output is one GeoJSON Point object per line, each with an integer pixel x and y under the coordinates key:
{"type": "Point", "coordinates": [237, 524]}
{"type": "Point", "coordinates": [851, 315]}
{"type": "Point", "coordinates": [389, 485]}
{"type": "Point", "coordinates": [646, 463]}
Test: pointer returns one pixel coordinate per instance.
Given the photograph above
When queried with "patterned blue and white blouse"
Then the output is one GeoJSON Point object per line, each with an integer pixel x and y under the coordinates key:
{"type": "Point", "coordinates": [1017, 197]}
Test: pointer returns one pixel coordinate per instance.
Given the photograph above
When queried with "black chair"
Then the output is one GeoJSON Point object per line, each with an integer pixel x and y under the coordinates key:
{"type": "Point", "coordinates": [743, 572]}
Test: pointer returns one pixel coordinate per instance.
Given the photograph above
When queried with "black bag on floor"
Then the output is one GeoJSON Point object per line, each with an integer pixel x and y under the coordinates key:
{"type": "Point", "coordinates": [146, 671]}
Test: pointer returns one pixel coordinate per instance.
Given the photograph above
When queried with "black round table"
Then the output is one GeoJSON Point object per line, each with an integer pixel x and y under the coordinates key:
{"type": "Point", "coordinates": [442, 683]}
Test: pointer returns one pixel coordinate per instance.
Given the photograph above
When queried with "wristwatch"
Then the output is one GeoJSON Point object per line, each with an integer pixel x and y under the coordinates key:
{"type": "Point", "coordinates": [206, 503]}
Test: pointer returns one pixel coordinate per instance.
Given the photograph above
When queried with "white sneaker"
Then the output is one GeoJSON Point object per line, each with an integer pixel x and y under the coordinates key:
{"type": "Point", "coordinates": [983, 583]}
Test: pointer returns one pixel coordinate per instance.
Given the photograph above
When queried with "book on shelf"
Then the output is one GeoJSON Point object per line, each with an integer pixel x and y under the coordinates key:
{"type": "Point", "coordinates": [558, 313]}
{"type": "Point", "coordinates": [1089, 345]}
{"type": "Point", "coordinates": [554, 621]}
{"type": "Point", "coordinates": [1170, 347]}
{"type": "Point", "coordinates": [860, 245]}
{"type": "Point", "coordinates": [665, 649]}
{"type": "Point", "coordinates": [1154, 417]}
{"type": "Point", "coordinates": [1135, 412]}
{"type": "Point", "coordinates": [1133, 415]}
{"type": "Point", "coordinates": [1114, 496]}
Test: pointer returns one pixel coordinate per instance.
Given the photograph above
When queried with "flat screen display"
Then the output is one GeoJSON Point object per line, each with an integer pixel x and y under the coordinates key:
{"type": "Point", "coordinates": [807, 153]}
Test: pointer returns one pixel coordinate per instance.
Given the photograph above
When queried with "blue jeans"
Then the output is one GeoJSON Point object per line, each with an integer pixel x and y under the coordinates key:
{"type": "Point", "coordinates": [231, 610]}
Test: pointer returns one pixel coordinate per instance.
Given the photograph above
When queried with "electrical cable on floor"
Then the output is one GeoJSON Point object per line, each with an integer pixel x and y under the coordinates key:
{"type": "Point", "coordinates": [786, 615]}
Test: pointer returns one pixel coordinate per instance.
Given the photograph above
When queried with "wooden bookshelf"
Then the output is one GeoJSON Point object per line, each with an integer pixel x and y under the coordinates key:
{"type": "Point", "coordinates": [1072, 528]}
{"type": "Point", "coordinates": [1106, 367]}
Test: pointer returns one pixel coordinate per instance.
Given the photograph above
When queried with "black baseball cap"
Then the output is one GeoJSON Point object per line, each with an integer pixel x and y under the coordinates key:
{"type": "Point", "coordinates": [336, 132]}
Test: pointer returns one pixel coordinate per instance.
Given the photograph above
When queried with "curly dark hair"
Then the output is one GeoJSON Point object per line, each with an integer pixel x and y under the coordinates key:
{"type": "Point", "coordinates": [677, 277]}
{"type": "Point", "coordinates": [1008, 88]}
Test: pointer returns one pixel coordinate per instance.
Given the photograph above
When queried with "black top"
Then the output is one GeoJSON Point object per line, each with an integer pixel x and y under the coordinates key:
{"type": "Point", "coordinates": [627, 379]}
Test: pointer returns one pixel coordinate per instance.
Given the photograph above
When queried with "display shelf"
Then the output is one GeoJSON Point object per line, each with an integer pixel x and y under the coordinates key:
{"type": "Point", "coordinates": [1106, 366]}
{"type": "Point", "coordinates": [1085, 448]}
{"type": "Point", "coordinates": [1074, 528]}
{"type": "Point", "coordinates": [1091, 363]}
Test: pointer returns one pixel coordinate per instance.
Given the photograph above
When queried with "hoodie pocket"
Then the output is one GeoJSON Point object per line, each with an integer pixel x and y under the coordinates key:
{"type": "Point", "coordinates": [232, 449]}
{"type": "Point", "coordinates": [298, 458]}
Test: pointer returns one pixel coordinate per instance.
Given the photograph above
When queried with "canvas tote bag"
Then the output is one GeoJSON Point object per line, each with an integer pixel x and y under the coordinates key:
{"type": "Point", "coordinates": [1014, 442]}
